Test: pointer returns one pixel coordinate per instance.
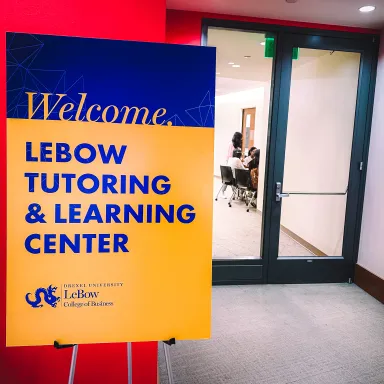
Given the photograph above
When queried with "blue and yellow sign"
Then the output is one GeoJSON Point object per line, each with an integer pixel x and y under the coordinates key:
{"type": "Point", "coordinates": [109, 190]}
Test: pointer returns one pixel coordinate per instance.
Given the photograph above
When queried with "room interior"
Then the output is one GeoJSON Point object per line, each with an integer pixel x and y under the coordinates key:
{"type": "Point", "coordinates": [316, 143]}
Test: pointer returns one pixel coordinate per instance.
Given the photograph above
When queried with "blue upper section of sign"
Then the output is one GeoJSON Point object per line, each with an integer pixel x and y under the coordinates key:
{"type": "Point", "coordinates": [180, 79]}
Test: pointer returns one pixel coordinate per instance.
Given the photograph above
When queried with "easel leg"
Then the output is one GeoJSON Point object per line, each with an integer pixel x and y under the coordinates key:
{"type": "Point", "coordinates": [129, 356]}
{"type": "Point", "coordinates": [168, 363]}
{"type": "Point", "coordinates": [73, 365]}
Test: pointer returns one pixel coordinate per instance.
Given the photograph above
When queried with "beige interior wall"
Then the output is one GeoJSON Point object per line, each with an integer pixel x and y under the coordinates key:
{"type": "Point", "coordinates": [261, 137]}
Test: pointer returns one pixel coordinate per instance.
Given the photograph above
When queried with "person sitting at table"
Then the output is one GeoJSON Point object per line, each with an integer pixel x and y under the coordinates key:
{"type": "Point", "coordinates": [250, 157]}
{"type": "Point", "coordinates": [236, 143]}
{"type": "Point", "coordinates": [254, 163]}
{"type": "Point", "coordinates": [234, 162]}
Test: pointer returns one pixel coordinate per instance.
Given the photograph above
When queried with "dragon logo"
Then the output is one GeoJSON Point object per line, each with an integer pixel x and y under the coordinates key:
{"type": "Point", "coordinates": [48, 295]}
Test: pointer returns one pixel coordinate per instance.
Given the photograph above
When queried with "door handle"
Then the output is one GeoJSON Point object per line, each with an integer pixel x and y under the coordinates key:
{"type": "Point", "coordinates": [279, 194]}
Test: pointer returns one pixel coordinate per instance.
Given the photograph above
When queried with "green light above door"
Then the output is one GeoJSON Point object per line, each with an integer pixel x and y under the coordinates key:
{"type": "Point", "coordinates": [295, 53]}
{"type": "Point", "coordinates": [269, 49]}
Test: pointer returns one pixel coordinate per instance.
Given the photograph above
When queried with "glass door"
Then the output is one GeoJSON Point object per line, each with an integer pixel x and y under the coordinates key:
{"type": "Point", "coordinates": [321, 122]}
{"type": "Point", "coordinates": [244, 68]}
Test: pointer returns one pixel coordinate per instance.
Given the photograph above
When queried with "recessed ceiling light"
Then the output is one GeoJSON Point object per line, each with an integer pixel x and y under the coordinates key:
{"type": "Point", "coordinates": [262, 43]}
{"type": "Point", "coordinates": [236, 66]}
{"type": "Point", "coordinates": [247, 57]}
{"type": "Point", "coordinates": [367, 8]}
{"type": "Point", "coordinates": [217, 73]}
{"type": "Point", "coordinates": [231, 63]}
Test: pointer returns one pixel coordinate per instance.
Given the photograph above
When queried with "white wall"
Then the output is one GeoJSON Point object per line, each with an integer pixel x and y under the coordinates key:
{"type": "Point", "coordinates": [261, 137]}
{"type": "Point", "coordinates": [228, 120]}
{"type": "Point", "coordinates": [318, 148]}
{"type": "Point", "coordinates": [371, 252]}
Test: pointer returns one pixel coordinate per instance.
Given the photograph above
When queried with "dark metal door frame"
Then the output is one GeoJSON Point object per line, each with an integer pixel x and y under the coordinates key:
{"type": "Point", "coordinates": [269, 269]}
{"type": "Point", "coordinates": [319, 269]}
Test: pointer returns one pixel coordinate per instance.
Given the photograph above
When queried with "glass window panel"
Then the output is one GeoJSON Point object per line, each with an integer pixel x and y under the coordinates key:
{"type": "Point", "coordinates": [243, 83]}
{"type": "Point", "coordinates": [318, 152]}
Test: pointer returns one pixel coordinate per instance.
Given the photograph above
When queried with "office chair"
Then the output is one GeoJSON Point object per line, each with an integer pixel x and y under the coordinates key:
{"type": "Point", "coordinates": [226, 178]}
{"type": "Point", "coordinates": [241, 183]}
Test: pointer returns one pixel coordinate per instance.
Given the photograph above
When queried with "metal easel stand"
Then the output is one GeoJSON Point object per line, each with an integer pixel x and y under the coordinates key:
{"type": "Point", "coordinates": [129, 356]}
{"type": "Point", "coordinates": [167, 344]}
{"type": "Point", "coordinates": [75, 347]}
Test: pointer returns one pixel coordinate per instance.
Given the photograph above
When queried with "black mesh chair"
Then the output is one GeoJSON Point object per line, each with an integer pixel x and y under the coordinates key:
{"type": "Point", "coordinates": [226, 178]}
{"type": "Point", "coordinates": [241, 183]}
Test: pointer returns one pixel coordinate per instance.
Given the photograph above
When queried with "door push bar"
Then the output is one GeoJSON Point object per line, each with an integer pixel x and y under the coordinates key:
{"type": "Point", "coordinates": [280, 194]}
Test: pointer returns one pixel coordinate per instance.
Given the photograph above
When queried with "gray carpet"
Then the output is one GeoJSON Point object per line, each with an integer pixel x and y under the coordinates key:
{"type": "Point", "coordinates": [282, 334]}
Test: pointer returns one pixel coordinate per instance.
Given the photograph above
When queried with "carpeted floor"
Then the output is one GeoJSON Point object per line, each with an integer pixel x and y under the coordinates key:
{"type": "Point", "coordinates": [283, 334]}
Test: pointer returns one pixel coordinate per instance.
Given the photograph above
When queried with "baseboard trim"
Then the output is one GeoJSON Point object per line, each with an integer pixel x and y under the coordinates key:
{"type": "Point", "coordinates": [301, 241]}
{"type": "Point", "coordinates": [370, 283]}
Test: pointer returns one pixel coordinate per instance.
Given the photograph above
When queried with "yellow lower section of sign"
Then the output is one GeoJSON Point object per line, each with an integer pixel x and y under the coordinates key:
{"type": "Point", "coordinates": [88, 281]}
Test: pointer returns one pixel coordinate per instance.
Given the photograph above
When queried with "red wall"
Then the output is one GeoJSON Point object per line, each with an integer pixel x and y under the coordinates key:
{"type": "Point", "coordinates": [185, 27]}
{"type": "Point", "coordinates": [142, 20]}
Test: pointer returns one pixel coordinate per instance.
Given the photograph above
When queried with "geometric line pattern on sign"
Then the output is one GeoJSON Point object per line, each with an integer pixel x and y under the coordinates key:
{"type": "Point", "coordinates": [204, 112]}
{"type": "Point", "coordinates": [176, 121]}
{"type": "Point", "coordinates": [23, 77]}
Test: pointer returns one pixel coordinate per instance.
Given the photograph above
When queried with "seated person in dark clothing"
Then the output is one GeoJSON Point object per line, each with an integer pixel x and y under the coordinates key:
{"type": "Point", "coordinates": [254, 163]}
{"type": "Point", "coordinates": [250, 157]}
{"type": "Point", "coordinates": [253, 167]}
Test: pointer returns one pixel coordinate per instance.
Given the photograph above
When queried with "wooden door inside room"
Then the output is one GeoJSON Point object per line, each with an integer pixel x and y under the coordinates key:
{"type": "Point", "coordinates": [248, 128]}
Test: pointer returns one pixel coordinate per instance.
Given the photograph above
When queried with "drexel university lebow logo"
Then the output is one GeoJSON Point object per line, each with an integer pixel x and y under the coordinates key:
{"type": "Point", "coordinates": [48, 296]}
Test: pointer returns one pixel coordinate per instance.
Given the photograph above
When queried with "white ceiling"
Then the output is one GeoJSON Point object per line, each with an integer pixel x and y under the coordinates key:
{"type": "Point", "coordinates": [255, 71]}
{"type": "Point", "coordinates": [338, 12]}
{"type": "Point", "coordinates": [226, 85]}
{"type": "Point", "coordinates": [232, 46]}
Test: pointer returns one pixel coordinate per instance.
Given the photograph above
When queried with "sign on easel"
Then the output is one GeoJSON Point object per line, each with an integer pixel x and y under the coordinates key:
{"type": "Point", "coordinates": [109, 190]}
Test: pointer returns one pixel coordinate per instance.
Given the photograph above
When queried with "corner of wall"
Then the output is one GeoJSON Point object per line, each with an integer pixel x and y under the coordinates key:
{"type": "Point", "coordinates": [183, 27]}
